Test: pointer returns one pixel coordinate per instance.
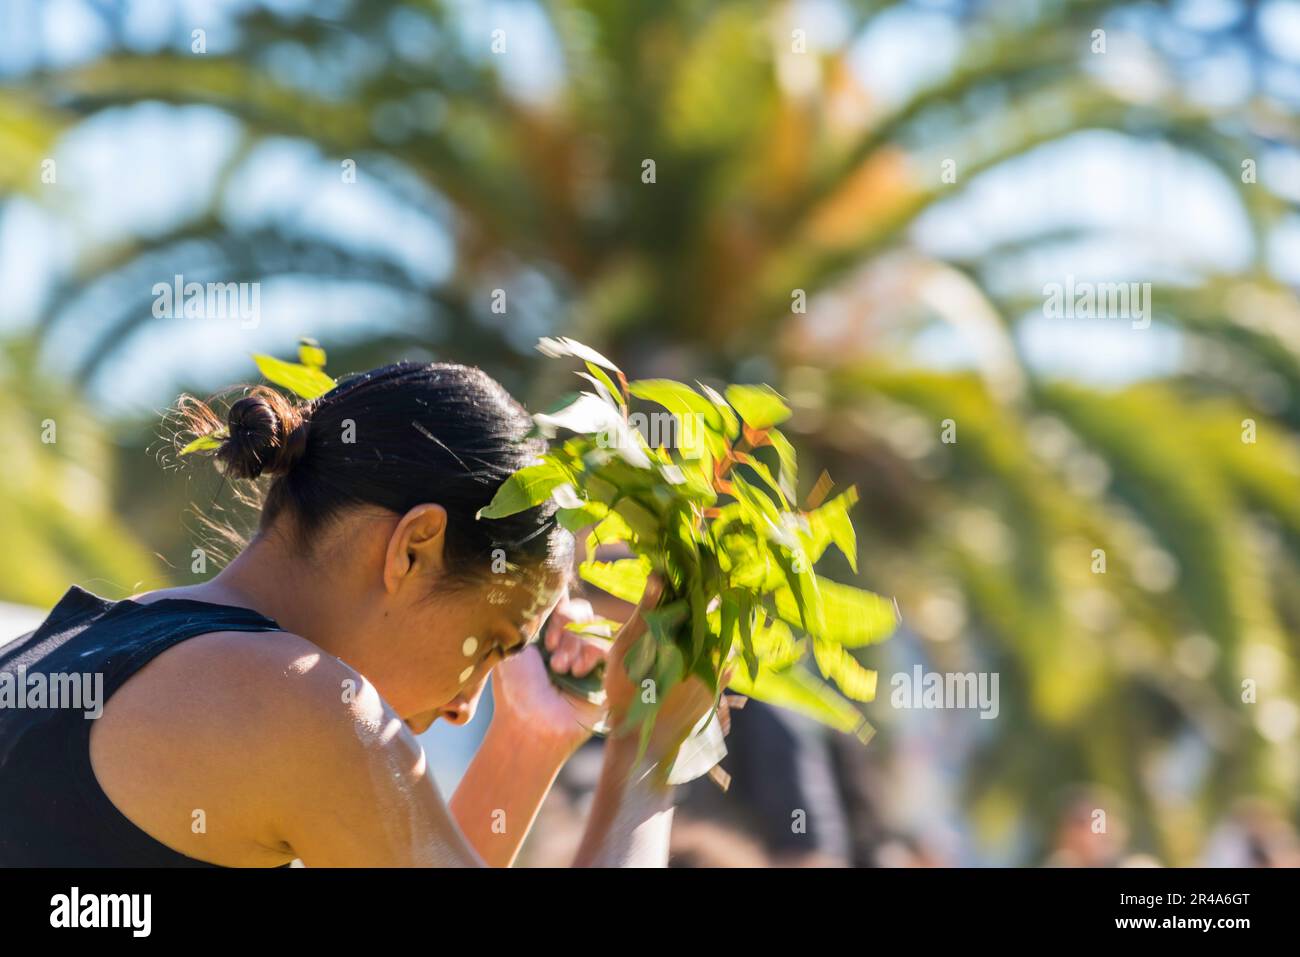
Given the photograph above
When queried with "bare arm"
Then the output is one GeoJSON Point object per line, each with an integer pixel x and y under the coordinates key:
{"type": "Point", "coordinates": [503, 789]}
{"type": "Point", "coordinates": [509, 778]}
{"type": "Point", "coordinates": [631, 816]}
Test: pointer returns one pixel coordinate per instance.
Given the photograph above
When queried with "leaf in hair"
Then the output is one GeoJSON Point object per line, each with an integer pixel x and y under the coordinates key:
{"type": "Point", "coordinates": [304, 381]}
{"type": "Point", "coordinates": [311, 354]}
{"type": "Point", "coordinates": [205, 443]}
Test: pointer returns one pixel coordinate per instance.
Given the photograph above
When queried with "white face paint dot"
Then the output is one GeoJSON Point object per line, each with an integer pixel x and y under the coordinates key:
{"type": "Point", "coordinates": [464, 675]}
{"type": "Point", "coordinates": [469, 647]}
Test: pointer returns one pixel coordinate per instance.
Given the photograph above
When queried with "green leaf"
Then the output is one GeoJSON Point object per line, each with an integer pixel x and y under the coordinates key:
{"type": "Point", "coordinates": [527, 488]}
{"type": "Point", "coordinates": [764, 473]}
{"type": "Point", "coordinates": [802, 584]}
{"type": "Point", "coordinates": [563, 347]}
{"type": "Point", "coordinates": [624, 579]}
{"type": "Point", "coordinates": [594, 627]}
{"type": "Point", "coordinates": [799, 691]}
{"type": "Point", "coordinates": [643, 523]}
{"type": "Point", "coordinates": [852, 617]}
{"type": "Point", "coordinates": [757, 506]}
{"type": "Point", "coordinates": [589, 414]}
{"type": "Point", "coordinates": [602, 386]}
{"type": "Point", "coordinates": [679, 399]}
{"type": "Point", "coordinates": [747, 637]}
{"type": "Point", "coordinates": [728, 621]}
{"type": "Point", "coordinates": [730, 424]}
{"type": "Point", "coordinates": [789, 467]}
{"type": "Point", "coordinates": [609, 529]}
{"type": "Point", "coordinates": [831, 523]}
{"type": "Point", "coordinates": [601, 376]}
{"type": "Point", "coordinates": [576, 519]}
{"type": "Point", "coordinates": [665, 620]}
{"type": "Point", "coordinates": [640, 658]}
{"type": "Point", "coordinates": [775, 646]}
{"type": "Point", "coordinates": [746, 559]}
{"type": "Point", "coordinates": [205, 443]}
{"type": "Point", "coordinates": [311, 354]}
{"type": "Point", "coordinates": [854, 681]}
{"type": "Point", "coordinates": [760, 406]}
{"type": "Point", "coordinates": [304, 381]}
{"type": "Point", "coordinates": [669, 669]}
{"type": "Point", "coordinates": [600, 490]}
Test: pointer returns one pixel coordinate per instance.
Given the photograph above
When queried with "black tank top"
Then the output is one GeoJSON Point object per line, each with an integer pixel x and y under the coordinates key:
{"type": "Point", "coordinates": [53, 812]}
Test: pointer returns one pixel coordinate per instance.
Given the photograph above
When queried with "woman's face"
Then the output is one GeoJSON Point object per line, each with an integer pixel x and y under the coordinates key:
{"type": "Point", "coordinates": [423, 633]}
{"type": "Point", "coordinates": [465, 630]}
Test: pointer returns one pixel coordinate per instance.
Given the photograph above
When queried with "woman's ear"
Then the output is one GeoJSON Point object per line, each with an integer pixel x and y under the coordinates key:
{"type": "Point", "coordinates": [416, 546]}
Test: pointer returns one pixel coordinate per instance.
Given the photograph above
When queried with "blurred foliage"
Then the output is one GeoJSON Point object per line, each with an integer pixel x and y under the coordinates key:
{"type": "Point", "coordinates": [57, 495]}
{"type": "Point", "coordinates": [775, 171]}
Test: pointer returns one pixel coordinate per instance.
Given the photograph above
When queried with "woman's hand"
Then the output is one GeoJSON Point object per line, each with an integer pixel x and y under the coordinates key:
{"type": "Point", "coordinates": [526, 698]}
{"type": "Point", "coordinates": [571, 653]}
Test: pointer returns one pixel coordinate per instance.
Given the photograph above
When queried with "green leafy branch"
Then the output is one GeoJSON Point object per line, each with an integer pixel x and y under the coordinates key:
{"type": "Point", "coordinates": [719, 524]}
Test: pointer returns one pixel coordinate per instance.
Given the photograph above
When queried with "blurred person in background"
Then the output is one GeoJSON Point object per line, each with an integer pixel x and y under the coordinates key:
{"type": "Point", "coordinates": [1254, 833]}
{"type": "Point", "coordinates": [1091, 832]}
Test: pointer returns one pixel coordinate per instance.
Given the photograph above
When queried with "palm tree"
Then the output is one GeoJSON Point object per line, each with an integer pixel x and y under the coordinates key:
{"type": "Point", "coordinates": [696, 175]}
{"type": "Point", "coordinates": [56, 495]}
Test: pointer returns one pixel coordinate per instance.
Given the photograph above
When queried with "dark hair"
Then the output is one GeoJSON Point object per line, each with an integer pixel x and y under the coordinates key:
{"type": "Point", "coordinates": [393, 437]}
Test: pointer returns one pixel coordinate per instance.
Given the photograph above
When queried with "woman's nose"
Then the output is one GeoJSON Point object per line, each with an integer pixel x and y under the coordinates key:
{"type": "Point", "coordinates": [457, 711]}
{"type": "Point", "coordinates": [460, 709]}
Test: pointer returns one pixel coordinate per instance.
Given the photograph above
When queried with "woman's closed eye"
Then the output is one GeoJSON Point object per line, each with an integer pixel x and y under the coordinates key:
{"type": "Point", "coordinates": [502, 650]}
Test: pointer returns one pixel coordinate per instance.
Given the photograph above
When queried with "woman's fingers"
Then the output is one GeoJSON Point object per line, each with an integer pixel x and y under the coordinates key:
{"type": "Point", "coordinates": [577, 655]}
{"type": "Point", "coordinates": [569, 610]}
{"type": "Point", "coordinates": [564, 652]}
{"type": "Point", "coordinates": [588, 656]}
{"type": "Point", "coordinates": [565, 646]}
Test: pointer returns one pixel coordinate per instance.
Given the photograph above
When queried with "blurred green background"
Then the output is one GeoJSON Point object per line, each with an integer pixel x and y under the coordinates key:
{"type": "Point", "coordinates": [861, 203]}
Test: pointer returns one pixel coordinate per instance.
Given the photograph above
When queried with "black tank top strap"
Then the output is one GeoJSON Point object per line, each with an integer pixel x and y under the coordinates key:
{"type": "Point", "coordinates": [52, 810]}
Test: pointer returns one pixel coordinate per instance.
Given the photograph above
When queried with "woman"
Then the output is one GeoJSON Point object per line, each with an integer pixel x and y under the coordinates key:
{"type": "Point", "coordinates": [269, 713]}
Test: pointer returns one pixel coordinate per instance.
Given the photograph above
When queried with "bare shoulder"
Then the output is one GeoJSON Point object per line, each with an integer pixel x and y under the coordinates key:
{"type": "Point", "coordinates": [241, 748]}
{"type": "Point", "coordinates": [244, 686]}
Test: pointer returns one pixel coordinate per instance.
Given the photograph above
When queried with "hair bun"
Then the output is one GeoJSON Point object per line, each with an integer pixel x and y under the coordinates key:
{"type": "Point", "coordinates": [267, 435]}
